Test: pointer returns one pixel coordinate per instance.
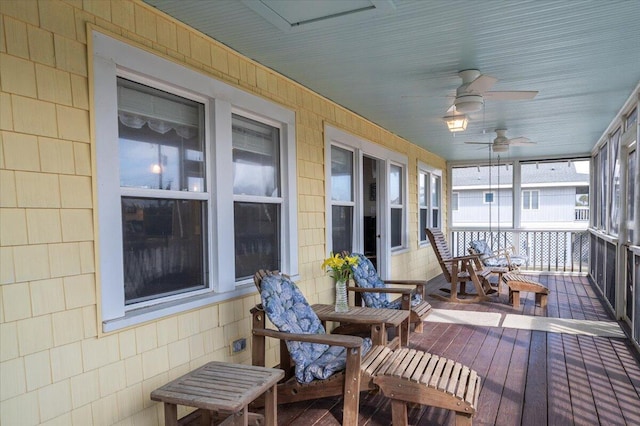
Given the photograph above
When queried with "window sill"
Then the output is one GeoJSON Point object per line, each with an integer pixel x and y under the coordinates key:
{"type": "Point", "coordinates": [151, 313]}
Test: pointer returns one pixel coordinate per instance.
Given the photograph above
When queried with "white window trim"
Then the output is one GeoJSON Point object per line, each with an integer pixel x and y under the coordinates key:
{"type": "Point", "coordinates": [111, 58]}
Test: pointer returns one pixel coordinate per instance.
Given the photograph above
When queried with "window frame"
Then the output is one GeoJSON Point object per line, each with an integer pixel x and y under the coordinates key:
{"type": "Point", "coordinates": [343, 203]}
{"type": "Point", "coordinates": [531, 193]}
{"type": "Point", "coordinates": [427, 173]}
{"type": "Point", "coordinates": [402, 206]}
{"type": "Point", "coordinates": [484, 197]}
{"type": "Point", "coordinates": [111, 58]}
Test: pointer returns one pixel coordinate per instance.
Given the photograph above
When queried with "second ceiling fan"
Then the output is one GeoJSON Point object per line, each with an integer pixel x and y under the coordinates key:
{"type": "Point", "coordinates": [501, 143]}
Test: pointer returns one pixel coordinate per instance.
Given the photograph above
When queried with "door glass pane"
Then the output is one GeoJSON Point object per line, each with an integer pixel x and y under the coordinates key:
{"type": "Point", "coordinates": [163, 246]}
{"type": "Point", "coordinates": [257, 238]}
{"type": "Point", "coordinates": [160, 139]}
{"type": "Point", "coordinates": [395, 185]}
{"type": "Point", "coordinates": [341, 174]}
{"type": "Point", "coordinates": [256, 158]}
{"type": "Point", "coordinates": [342, 228]}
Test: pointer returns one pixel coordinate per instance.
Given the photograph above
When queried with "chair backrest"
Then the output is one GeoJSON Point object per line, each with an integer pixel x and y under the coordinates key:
{"type": "Point", "coordinates": [481, 248]}
{"type": "Point", "coordinates": [287, 308]}
{"type": "Point", "coordinates": [366, 276]}
{"type": "Point", "coordinates": [441, 249]}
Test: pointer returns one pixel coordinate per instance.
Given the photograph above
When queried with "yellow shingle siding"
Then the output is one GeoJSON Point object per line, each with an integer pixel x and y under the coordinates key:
{"type": "Point", "coordinates": [53, 358]}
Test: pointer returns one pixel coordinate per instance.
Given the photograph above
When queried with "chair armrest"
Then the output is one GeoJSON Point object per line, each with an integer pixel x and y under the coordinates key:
{"type": "Point", "coordinates": [459, 258]}
{"type": "Point", "coordinates": [407, 282]}
{"type": "Point", "coordinates": [382, 290]}
{"type": "Point", "coordinates": [327, 339]}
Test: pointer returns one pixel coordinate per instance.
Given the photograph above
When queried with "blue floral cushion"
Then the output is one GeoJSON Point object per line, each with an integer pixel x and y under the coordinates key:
{"type": "Point", "coordinates": [288, 310]}
{"type": "Point", "coordinates": [488, 259]}
{"type": "Point", "coordinates": [365, 276]}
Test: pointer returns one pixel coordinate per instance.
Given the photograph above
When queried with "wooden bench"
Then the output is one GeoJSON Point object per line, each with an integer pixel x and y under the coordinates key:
{"type": "Point", "coordinates": [420, 377]}
{"type": "Point", "coordinates": [518, 283]}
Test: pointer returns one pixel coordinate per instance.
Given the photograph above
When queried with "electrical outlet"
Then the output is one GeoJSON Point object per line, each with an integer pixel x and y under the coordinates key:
{"type": "Point", "coordinates": [238, 345]}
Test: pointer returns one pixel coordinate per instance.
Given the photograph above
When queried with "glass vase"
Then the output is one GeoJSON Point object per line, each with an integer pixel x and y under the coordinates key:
{"type": "Point", "coordinates": [342, 302]}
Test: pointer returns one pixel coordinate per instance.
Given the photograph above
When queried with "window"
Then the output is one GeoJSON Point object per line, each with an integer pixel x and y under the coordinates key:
{"type": "Point", "coordinates": [488, 197]}
{"type": "Point", "coordinates": [342, 204]}
{"type": "Point", "coordinates": [530, 200]}
{"type": "Point", "coordinates": [163, 199]}
{"type": "Point", "coordinates": [194, 192]}
{"type": "Point", "coordinates": [614, 207]}
{"type": "Point", "coordinates": [257, 196]}
{"type": "Point", "coordinates": [396, 201]}
{"type": "Point", "coordinates": [454, 201]}
{"type": "Point", "coordinates": [429, 200]}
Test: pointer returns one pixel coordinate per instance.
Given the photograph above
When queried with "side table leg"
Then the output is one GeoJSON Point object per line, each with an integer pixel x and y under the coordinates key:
{"type": "Point", "coordinates": [271, 406]}
{"type": "Point", "coordinates": [170, 414]}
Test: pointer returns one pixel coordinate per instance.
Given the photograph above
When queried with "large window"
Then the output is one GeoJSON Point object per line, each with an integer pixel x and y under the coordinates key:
{"type": "Point", "coordinates": [342, 204]}
{"type": "Point", "coordinates": [257, 196]}
{"type": "Point", "coordinates": [163, 193]}
{"type": "Point", "coordinates": [429, 200]}
{"type": "Point", "coordinates": [396, 201]}
{"type": "Point", "coordinates": [196, 191]}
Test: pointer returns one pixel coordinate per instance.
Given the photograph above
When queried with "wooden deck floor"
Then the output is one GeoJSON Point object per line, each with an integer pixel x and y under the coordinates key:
{"type": "Point", "coordinates": [529, 377]}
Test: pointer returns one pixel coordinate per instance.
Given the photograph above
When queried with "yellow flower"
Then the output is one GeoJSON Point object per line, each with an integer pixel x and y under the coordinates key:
{"type": "Point", "coordinates": [340, 265]}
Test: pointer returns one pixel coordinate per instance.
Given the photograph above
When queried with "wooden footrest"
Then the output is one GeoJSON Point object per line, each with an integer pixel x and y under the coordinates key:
{"type": "Point", "coordinates": [414, 376]}
{"type": "Point", "coordinates": [518, 283]}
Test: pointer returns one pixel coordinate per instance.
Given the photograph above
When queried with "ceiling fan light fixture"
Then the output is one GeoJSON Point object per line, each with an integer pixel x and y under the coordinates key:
{"type": "Point", "coordinates": [468, 103]}
{"type": "Point", "coordinates": [500, 147]}
{"type": "Point", "coordinates": [456, 123]}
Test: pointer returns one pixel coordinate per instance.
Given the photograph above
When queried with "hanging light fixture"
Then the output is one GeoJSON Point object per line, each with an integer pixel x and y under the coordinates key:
{"type": "Point", "coordinates": [456, 123]}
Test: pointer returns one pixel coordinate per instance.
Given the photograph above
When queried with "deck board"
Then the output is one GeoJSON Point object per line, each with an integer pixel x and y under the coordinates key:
{"type": "Point", "coordinates": [530, 378]}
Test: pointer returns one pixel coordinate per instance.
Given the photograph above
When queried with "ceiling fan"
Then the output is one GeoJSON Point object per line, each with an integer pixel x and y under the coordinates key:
{"type": "Point", "coordinates": [501, 143]}
{"type": "Point", "coordinates": [470, 95]}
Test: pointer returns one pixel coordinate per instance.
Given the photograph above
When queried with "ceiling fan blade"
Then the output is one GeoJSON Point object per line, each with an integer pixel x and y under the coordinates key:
{"type": "Point", "coordinates": [520, 142]}
{"type": "Point", "coordinates": [481, 84]}
{"type": "Point", "coordinates": [511, 95]}
{"type": "Point", "coordinates": [480, 143]}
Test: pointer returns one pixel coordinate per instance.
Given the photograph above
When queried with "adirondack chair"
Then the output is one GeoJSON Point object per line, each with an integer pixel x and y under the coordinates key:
{"type": "Point", "coordinates": [459, 270]}
{"type": "Point", "coordinates": [331, 365]}
{"type": "Point", "coordinates": [374, 292]}
{"type": "Point", "coordinates": [498, 261]}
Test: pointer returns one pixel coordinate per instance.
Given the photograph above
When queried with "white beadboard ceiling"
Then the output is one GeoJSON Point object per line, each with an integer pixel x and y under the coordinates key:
{"type": "Point", "coordinates": [395, 62]}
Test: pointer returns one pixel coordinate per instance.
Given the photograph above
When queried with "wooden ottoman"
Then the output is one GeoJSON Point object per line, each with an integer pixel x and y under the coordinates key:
{"type": "Point", "coordinates": [518, 283]}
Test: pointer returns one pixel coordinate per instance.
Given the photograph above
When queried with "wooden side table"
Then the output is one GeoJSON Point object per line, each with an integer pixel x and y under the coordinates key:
{"type": "Point", "coordinates": [222, 387]}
